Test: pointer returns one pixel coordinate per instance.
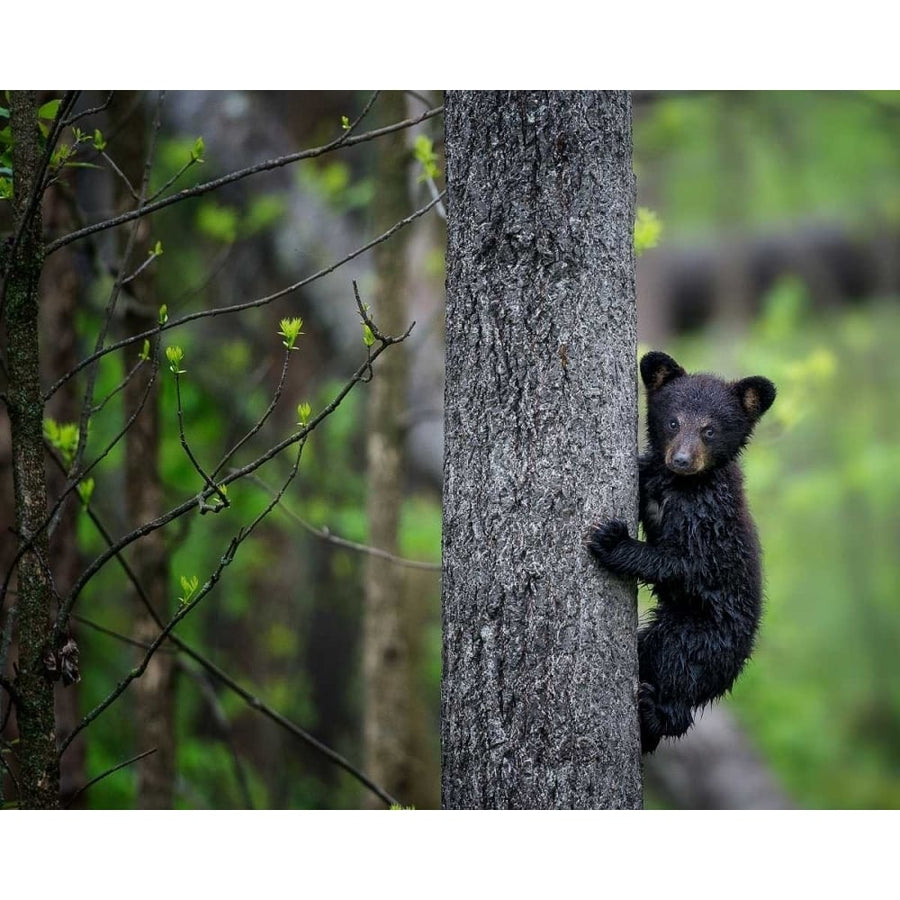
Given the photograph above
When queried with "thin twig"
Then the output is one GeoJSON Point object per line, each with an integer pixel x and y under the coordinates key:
{"type": "Point", "coordinates": [240, 307]}
{"type": "Point", "coordinates": [89, 112]}
{"type": "Point", "coordinates": [193, 161]}
{"type": "Point", "coordinates": [121, 765]}
{"type": "Point", "coordinates": [436, 195]}
{"type": "Point", "coordinates": [124, 638]}
{"type": "Point", "coordinates": [119, 387]}
{"type": "Point", "coordinates": [123, 177]}
{"type": "Point", "coordinates": [166, 633]}
{"type": "Point", "coordinates": [208, 692]}
{"type": "Point", "coordinates": [88, 400]}
{"type": "Point", "coordinates": [325, 534]}
{"type": "Point", "coordinates": [261, 421]}
{"type": "Point", "coordinates": [6, 637]}
{"type": "Point", "coordinates": [9, 770]}
{"type": "Point", "coordinates": [293, 728]}
{"type": "Point", "coordinates": [343, 141]}
{"type": "Point", "coordinates": [151, 256]}
{"type": "Point", "coordinates": [420, 97]}
{"type": "Point", "coordinates": [212, 270]}
{"type": "Point", "coordinates": [205, 507]}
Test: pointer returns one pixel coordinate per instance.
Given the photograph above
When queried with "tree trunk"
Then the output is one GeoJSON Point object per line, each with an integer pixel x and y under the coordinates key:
{"type": "Point", "coordinates": [62, 289]}
{"type": "Point", "coordinates": [540, 657]}
{"type": "Point", "coordinates": [155, 689]}
{"type": "Point", "coordinates": [39, 772]}
{"type": "Point", "coordinates": [388, 656]}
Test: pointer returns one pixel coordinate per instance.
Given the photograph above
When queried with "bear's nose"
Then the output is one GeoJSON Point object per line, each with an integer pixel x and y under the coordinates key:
{"type": "Point", "coordinates": [681, 460]}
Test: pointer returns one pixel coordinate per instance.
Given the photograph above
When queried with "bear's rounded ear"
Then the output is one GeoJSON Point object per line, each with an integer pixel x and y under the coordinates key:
{"type": "Point", "coordinates": [658, 369]}
{"type": "Point", "coordinates": [756, 395]}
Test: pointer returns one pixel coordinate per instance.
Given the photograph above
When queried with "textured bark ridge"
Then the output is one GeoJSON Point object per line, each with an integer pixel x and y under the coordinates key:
{"type": "Point", "coordinates": [540, 660]}
{"type": "Point", "coordinates": [39, 775]}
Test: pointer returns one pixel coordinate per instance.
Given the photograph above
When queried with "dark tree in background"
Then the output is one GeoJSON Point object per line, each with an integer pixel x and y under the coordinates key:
{"type": "Point", "coordinates": [540, 661]}
{"type": "Point", "coordinates": [144, 489]}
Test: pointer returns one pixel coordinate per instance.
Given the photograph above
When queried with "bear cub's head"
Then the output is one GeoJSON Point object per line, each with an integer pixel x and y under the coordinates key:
{"type": "Point", "coordinates": [697, 423]}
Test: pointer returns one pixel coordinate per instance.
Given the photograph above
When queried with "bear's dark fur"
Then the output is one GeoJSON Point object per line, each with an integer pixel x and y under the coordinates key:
{"type": "Point", "coordinates": [701, 555]}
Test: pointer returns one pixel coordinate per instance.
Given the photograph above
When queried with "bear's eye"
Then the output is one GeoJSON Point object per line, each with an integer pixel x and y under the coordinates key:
{"type": "Point", "coordinates": [673, 424]}
{"type": "Point", "coordinates": [709, 432]}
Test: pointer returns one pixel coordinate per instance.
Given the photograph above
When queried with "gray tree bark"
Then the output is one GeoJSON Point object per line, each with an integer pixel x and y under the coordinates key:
{"type": "Point", "coordinates": [540, 659]}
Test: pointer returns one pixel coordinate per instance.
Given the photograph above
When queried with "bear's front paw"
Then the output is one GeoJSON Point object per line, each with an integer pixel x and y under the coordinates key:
{"type": "Point", "coordinates": [605, 538]}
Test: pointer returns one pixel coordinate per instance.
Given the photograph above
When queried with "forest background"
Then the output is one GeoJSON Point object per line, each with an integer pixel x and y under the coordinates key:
{"type": "Point", "coordinates": [770, 234]}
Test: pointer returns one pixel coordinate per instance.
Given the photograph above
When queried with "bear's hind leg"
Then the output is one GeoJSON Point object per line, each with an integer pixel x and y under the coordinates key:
{"type": "Point", "coordinates": [659, 719]}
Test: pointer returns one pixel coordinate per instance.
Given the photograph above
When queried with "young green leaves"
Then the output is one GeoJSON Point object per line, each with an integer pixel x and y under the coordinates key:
{"type": "Point", "coordinates": [423, 150]}
{"type": "Point", "coordinates": [188, 588]}
{"type": "Point", "coordinates": [290, 331]}
{"type": "Point", "coordinates": [175, 355]}
{"type": "Point", "coordinates": [647, 230]}
{"type": "Point", "coordinates": [62, 436]}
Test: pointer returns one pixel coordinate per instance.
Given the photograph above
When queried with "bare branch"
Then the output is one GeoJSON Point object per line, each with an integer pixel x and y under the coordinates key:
{"type": "Point", "coordinates": [7, 767]}
{"type": "Point", "coordinates": [240, 307]}
{"type": "Point", "coordinates": [151, 257]}
{"type": "Point", "coordinates": [290, 726]}
{"type": "Point", "coordinates": [186, 608]}
{"type": "Point", "coordinates": [89, 112]}
{"type": "Point", "coordinates": [119, 387]}
{"type": "Point", "coordinates": [324, 533]}
{"type": "Point", "coordinates": [123, 177]}
{"type": "Point", "coordinates": [114, 549]}
{"type": "Point", "coordinates": [192, 161]}
{"type": "Point", "coordinates": [208, 692]}
{"type": "Point", "coordinates": [121, 765]}
{"type": "Point", "coordinates": [343, 141]}
{"type": "Point", "coordinates": [436, 195]}
{"type": "Point", "coordinates": [420, 97]}
{"type": "Point", "coordinates": [88, 401]}
{"type": "Point", "coordinates": [124, 638]}
{"type": "Point", "coordinates": [205, 507]}
{"type": "Point", "coordinates": [261, 421]}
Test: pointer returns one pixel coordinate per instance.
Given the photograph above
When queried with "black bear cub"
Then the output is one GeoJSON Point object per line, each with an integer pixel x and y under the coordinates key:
{"type": "Point", "coordinates": [701, 554]}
